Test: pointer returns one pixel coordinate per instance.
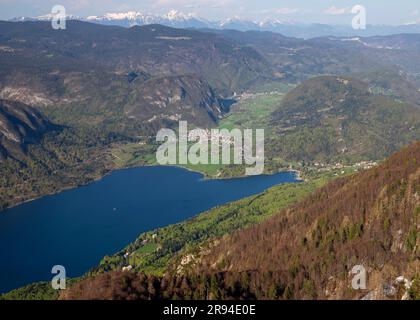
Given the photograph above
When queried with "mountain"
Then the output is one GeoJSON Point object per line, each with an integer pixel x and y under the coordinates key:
{"type": "Point", "coordinates": [187, 98]}
{"type": "Point", "coordinates": [392, 83]}
{"type": "Point", "coordinates": [294, 60]}
{"type": "Point", "coordinates": [173, 18]}
{"type": "Point", "coordinates": [400, 51]}
{"type": "Point", "coordinates": [286, 27]}
{"type": "Point", "coordinates": [153, 49]}
{"type": "Point", "coordinates": [38, 157]}
{"type": "Point", "coordinates": [305, 251]}
{"type": "Point", "coordinates": [85, 76]}
{"type": "Point", "coordinates": [231, 61]}
{"type": "Point", "coordinates": [20, 125]}
{"type": "Point", "coordinates": [332, 118]}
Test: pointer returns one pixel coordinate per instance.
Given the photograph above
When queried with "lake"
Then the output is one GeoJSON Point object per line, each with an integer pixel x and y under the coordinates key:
{"type": "Point", "coordinates": [78, 227]}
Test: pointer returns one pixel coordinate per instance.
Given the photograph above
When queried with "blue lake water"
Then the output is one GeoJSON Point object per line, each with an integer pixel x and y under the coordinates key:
{"type": "Point", "coordinates": [77, 227]}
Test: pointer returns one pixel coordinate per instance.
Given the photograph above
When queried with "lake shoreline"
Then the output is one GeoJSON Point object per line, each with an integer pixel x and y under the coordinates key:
{"type": "Point", "coordinates": [204, 176]}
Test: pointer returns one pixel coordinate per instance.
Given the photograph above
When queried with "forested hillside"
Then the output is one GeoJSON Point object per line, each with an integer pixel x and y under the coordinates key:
{"type": "Point", "coordinates": [20, 125]}
{"type": "Point", "coordinates": [332, 118]}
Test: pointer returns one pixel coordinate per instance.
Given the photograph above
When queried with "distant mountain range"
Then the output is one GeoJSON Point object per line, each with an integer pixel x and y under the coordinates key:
{"type": "Point", "coordinates": [289, 28]}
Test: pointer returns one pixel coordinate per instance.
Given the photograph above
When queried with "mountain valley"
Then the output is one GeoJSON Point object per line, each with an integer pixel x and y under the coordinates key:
{"type": "Point", "coordinates": [341, 111]}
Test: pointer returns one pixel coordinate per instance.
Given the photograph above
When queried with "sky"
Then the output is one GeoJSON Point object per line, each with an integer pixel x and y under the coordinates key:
{"type": "Point", "coordinates": [389, 12]}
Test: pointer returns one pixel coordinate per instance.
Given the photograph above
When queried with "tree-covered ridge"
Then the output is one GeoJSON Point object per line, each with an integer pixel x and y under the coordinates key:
{"type": "Point", "coordinates": [339, 119]}
{"type": "Point", "coordinates": [369, 219]}
{"type": "Point", "coordinates": [154, 49]}
{"type": "Point", "coordinates": [63, 159]}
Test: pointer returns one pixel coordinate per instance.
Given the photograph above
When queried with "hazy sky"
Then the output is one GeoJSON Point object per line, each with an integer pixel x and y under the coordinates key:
{"type": "Point", "coordinates": [323, 11]}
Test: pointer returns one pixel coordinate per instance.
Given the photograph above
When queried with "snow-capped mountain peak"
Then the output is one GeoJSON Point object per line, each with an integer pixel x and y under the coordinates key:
{"type": "Point", "coordinates": [286, 27]}
{"type": "Point", "coordinates": [172, 15]}
{"type": "Point", "coordinates": [176, 15]}
{"type": "Point", "coordinates": [130, 15]}
{"type": "Point", "coordinates": [173, 18]}
{"type": "Point", "coordinates": [269, 22]}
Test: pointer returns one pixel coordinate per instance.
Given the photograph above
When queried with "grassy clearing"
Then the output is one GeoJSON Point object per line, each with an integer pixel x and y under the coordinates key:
{"type": "Point", "coordinates": [253, 112]}
{"type": "Point", "coordinates": [133, 154]}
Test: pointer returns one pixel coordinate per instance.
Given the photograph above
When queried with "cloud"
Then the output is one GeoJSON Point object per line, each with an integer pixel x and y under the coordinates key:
{"type": "Point", "coordinates": [287, 10]}
{"type": "Point", "coordinates": [337, 11]}
{"type": "Point", "coordinates": [412, 23]}
{"type": "Point", "coordinates": [414, 13]}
